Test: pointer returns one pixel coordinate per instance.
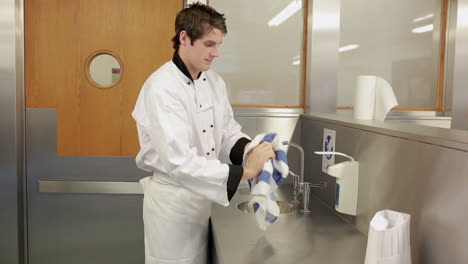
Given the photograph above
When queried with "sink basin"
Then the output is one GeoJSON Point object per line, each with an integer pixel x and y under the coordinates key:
{"type": "Point", "coordinates": [284, 207]}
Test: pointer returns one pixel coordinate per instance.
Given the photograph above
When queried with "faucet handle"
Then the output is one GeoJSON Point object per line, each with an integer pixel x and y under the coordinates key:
{"type": "Point", "coordinates": [321, 185]}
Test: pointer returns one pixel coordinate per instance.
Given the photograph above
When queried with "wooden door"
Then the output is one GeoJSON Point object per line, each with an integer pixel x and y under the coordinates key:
{"type": "Point", "coordinates": [60, 37]}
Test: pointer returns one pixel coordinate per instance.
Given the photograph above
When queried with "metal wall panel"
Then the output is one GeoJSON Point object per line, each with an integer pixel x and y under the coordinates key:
{"type": "Point", "coordinates": [11, 135]}
{"type": "Point", "coordinates": [460, 78]}
{"type": "Point", "coordinates": [323, 35]}
{"type": "Point", "coordinates": [450, 57]}
{"type": "Point", "coordinates": [403, 174]}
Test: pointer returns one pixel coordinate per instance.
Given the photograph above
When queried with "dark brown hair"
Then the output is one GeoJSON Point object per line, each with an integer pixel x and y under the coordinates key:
{"type": "Point", "coordinates": [196, 20]}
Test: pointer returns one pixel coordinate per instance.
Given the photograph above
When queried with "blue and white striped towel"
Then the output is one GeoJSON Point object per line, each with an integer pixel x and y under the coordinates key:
{"type": "Point", "coordinates": [263, 187]}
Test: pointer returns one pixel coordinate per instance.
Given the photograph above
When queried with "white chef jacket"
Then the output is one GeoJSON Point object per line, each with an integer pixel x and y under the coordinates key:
{"type": "Point", "coordinates": [184, 127]}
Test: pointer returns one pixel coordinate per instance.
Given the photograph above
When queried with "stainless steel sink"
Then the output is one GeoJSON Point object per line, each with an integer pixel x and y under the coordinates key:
{"type": "Point", "coordinates": [284, 207]}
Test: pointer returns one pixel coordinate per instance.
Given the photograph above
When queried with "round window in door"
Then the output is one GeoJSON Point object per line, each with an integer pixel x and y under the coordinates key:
{"type": "Point", "coordinates": [103, 69]}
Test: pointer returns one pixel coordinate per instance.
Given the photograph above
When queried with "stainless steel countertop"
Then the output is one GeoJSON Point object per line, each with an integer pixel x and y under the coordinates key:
{"type": "Point", "coordinates": [317, 237]}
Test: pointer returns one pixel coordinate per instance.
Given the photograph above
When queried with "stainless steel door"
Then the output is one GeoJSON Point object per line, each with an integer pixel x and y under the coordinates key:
{"type": "Point", "coordinates": [80, 209]}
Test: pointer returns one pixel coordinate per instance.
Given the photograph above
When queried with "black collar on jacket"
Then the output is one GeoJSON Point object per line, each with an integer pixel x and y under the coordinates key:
{"type": "Point", "coordinates": [181, 65]}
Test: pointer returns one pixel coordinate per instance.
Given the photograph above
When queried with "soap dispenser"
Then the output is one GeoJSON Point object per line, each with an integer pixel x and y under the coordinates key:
{"type": "Point", "coordinates": [347, 181]}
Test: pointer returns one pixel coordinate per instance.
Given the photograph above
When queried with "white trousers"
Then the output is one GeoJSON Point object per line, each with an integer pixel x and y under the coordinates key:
{"type": "Point", "coordinates": [175, 224]}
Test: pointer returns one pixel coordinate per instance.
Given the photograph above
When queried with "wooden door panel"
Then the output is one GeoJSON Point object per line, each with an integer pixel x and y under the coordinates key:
{"type": "Point", "coordinates": [60, 35]}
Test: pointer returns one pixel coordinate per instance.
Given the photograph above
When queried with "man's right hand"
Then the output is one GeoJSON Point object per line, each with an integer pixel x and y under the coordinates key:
{"type": "Point", "coordinates": [257, 158]}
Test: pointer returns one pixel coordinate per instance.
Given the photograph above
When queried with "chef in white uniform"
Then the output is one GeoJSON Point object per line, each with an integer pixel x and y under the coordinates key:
{"type": "Point", "coordinates": [185, 125]}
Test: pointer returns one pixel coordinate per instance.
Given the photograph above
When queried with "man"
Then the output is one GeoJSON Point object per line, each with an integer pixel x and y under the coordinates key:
{"type": "Point", "coordinates": [185, 124]}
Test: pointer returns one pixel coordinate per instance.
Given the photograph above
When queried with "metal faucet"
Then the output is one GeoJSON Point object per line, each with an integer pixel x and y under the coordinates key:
{"type": "Point", "coordinates": [301, 187]}
{"type": "Point", "coordinates": [298, 180]}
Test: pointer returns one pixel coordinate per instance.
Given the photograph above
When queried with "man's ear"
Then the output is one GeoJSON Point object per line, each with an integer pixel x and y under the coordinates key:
{"type": "Point", "coordinates": [184, 38]}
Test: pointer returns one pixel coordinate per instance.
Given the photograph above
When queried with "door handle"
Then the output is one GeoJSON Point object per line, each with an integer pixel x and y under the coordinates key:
{"type": "Point", "coordinates": [90, 187]}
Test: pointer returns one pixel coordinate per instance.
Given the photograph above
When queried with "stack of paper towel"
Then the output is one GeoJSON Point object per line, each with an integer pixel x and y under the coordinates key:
{"type": "Point", "coordinates": [374, 98]}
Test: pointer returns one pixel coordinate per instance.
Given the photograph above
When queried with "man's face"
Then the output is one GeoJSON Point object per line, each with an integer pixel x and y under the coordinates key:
{"type": "Point", "coordinates": [201, 53]}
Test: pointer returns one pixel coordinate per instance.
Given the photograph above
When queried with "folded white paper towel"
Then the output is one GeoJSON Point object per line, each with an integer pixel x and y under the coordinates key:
{"type": "Point", "coordinates": [389, 238]}
{"type": "Point", "coordinates": [374, 98]}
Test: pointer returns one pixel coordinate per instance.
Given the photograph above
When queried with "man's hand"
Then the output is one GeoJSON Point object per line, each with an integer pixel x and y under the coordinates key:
{"type": "Point", "coordinates": [257, 158]}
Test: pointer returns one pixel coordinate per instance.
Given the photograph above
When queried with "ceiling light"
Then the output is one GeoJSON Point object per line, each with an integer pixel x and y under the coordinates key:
{"type": "Point", "coordinates": [423, 18]}
{"type": "Point", "coordinates": [288, 11]}
{"type": "Point", "coordinates": [423, 29]}
{"type": "Point", "coordinates": [348, 47]}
